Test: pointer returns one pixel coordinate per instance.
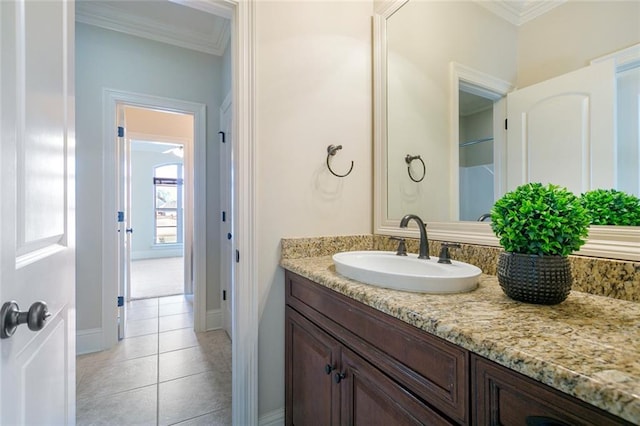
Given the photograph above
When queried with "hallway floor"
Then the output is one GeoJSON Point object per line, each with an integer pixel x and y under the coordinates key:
{"type": "Point", "coordinates": [161, 374]}
{"type": "Point", "coordinates": [157, 277]}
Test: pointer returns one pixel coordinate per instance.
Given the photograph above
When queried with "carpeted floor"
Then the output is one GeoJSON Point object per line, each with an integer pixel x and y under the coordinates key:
{"type": "Point", "coordinates": [157, 277]}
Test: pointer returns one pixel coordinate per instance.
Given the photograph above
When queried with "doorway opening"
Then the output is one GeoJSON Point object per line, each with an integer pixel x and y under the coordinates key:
{"type": "Point", "coordinates": [155, 204]}
{"type": "Point", "coordinates": [157, 215]}
{"type": "Point", "coordinates": [153, 120]}
{"type": "Point", "coordinates": [475, 130]}
{"type": "Point", "coordinates": [478, 111]}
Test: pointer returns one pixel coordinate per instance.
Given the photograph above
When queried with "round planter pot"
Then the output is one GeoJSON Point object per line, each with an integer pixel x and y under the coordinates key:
{"type": "Point", "coordinates": [544, 280]}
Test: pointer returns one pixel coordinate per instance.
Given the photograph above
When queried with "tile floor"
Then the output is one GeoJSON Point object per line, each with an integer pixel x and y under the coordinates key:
{"type": "Point", "coordinates": [161, 374]}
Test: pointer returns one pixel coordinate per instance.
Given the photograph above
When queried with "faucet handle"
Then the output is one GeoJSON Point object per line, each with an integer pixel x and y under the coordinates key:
{"type": "Point", "coordinates": [402, 246]}
{"type": "Point", "coordinates": [444, 252]}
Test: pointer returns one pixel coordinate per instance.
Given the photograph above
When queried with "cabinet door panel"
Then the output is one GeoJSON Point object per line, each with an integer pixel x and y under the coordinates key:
{"type": "Point", "coordinates": [368, 397]}
{"type": "Point", "coordinates": [310, 390]}
{"type": "Point", "coordinates": [505, 397]}
{"type": "Point", "coordinates": [433, 369]}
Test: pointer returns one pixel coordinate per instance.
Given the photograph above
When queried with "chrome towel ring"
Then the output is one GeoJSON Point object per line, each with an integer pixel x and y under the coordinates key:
{"type": "Point", "coordinates": [331, 151]}
{"type": "Point", "coordinates": [409, 159]}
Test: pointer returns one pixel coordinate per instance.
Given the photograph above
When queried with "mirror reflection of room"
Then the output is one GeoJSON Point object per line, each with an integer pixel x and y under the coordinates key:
{"type": "Point", "coordinates": [475, 131]}
{"type": "Point", "coordinates": [583, 136]}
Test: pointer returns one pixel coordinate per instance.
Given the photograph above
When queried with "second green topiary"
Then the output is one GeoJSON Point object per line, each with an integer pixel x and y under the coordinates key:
{"type": "Point", "coordinates": [541, 220]}
{"type": "Point", "coordinates": [612, 207]}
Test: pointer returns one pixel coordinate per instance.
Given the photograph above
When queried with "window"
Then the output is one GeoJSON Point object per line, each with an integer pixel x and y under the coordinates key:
{"type": "Point", "coordinates": [169, 201]}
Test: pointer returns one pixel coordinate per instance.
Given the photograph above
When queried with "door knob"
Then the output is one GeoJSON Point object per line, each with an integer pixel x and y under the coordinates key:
{"type": "Point", "coordinates": [11, 317]}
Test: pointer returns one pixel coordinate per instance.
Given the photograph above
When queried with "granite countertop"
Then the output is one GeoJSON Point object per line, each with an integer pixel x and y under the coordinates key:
{"type": "Point", "coordinates": [587, 346]}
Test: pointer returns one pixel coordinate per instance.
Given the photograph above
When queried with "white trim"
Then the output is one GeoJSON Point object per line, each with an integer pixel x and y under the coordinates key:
{"type": "Point", "coordinates": [385, 10]}
{"type": "Point", "coordinates": [88, 341]}
{"type": "Point", "coordinates": [624, 58]}
{"type": "Point", "coordinates": [273, 418]}
{"type": "Point", "coordinates": [223, 8]}
{"type": "Point", "coordinates": [519, 12]}
{"type": "Point", "coordinates": [214, 319]}
{"type": "Point", "coordinates": [245, 285]}
{"type": "Point", "coordinates": [226, 103]}
{"type": "Point", "coordinates": [111, 98]}
{"type": "Point", "coordinates": [116, 18]}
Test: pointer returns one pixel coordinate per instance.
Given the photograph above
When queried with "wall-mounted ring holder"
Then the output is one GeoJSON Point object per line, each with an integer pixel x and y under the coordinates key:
{"type": "Point", "coordinates": [409, 159]}
{"type": "Point", "coordinates": [331, 151]}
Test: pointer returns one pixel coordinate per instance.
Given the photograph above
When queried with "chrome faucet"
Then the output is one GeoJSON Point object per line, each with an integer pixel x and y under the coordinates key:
{"type": "Point", "coordinates": [424, 241]}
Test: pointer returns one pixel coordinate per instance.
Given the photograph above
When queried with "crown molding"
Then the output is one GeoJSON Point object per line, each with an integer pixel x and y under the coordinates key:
{"type": "Point", "coordinates": [117, 19]}
{"type": "Point", "coordinates": [519, 12]}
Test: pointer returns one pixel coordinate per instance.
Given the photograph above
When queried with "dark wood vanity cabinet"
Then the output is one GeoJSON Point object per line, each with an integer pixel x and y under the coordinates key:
{"type": "Point", "coordinates": [311, 357]}
{"type": "Point", "coordinates": [330, 384]}
{"type": "Point", "coordinates": [505, 397]}
{"type": "Point", "coordinates": [350, 364]}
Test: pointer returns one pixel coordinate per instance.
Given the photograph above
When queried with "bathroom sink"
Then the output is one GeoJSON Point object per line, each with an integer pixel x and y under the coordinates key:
{"type": "Point", "coordinates": [408, 273]}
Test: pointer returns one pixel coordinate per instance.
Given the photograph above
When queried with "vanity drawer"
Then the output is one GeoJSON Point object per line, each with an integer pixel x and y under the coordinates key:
{"type": "Point", "coordinates": [431, 368]}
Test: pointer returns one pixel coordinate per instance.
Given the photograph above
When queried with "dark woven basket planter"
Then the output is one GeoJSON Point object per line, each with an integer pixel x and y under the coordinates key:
{"type": "Point", "coordinates": [544, 280]}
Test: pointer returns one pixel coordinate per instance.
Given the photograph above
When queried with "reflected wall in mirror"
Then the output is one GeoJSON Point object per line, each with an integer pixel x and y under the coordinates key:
{"type": "Point", "coordinates": [431, 57]}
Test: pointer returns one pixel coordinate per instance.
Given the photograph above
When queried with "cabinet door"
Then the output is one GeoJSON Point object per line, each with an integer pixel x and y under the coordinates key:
{"type": "Point", "coordinates": [505, 397]}
{"type": "Point", "coordinates": [311, 359]}
{"type": "Point", "coordinates": [369, 397]}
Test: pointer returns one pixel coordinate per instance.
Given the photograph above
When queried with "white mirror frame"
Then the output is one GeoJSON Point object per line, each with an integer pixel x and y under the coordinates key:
{"type": "Point", "coordinates": [613, 242]}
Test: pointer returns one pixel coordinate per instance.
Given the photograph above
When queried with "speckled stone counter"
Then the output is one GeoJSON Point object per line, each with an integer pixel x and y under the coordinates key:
{"type": "Point", "coordinates": [588, 346]}
{"type": "Point", "coordinates": [604, 277]}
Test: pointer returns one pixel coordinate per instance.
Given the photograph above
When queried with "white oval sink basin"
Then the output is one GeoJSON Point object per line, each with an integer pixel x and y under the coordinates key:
{"type": "Point", "coordinates": [408, 273]}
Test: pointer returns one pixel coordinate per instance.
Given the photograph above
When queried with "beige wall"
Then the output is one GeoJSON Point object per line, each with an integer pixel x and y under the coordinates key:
{"type": "Point", "coordinates": [313, 89]}
{"type": "Point", "coordinates": [150, 122]}
{"type": "Point", "coordinates": [571, 35]}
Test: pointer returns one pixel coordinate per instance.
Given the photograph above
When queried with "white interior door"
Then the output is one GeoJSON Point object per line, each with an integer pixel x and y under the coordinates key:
{"type": "Point", "coordinates": [123, 165]}
{"type": "Point", "coordinates": [37, 228]}
{"type": "Point", "coordinates": [561, 131]}
{"type": "Point", "coordinates": [226, 201]}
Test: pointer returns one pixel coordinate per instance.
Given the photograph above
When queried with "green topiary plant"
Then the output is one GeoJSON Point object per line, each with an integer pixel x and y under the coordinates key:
{"type": "Point", "coordinates": [540, 220]}
{"type": "Point", "coordinates": [612, 207]}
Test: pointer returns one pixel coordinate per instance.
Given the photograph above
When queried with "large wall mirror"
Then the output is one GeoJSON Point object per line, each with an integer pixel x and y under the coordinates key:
{"type": "Point", "coordinates": [473, 98]}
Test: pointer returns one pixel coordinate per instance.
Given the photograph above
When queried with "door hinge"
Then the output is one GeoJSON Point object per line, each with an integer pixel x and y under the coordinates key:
{"type": "Point", "coordinates": [505, 124]}
{"type": "Point", "coordinates": [237, 256]}
{"type": "Point", "coordinates": [223, 137]}
{"type": "Point", "coordinates": [224, 294]}
{"type": "Point", "coordinates": [224, 216]}
{"type": "Point", "coordinates": [120, 301]}
{"type": "Point", "coordinates": [120, 216]}
{"type": "Point", "coordinates": [120, 131]}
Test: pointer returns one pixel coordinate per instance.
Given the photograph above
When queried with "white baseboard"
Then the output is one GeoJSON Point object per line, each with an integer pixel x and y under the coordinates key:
{"type": "Point", "coordinates": [274, 418]}
{"type": "Point", "coordinates": [88, 341]}
{"type": "Point", "coordinates": [214, 319]}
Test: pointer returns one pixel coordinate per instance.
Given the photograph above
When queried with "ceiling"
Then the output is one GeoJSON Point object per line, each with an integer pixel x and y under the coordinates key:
{"type": "Point", "coordinates": [206, 31]}
{"type": "Point", "coordinates": [205, 26]}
